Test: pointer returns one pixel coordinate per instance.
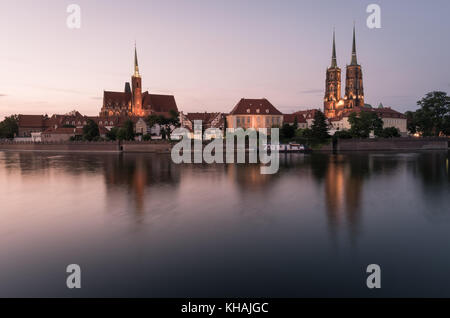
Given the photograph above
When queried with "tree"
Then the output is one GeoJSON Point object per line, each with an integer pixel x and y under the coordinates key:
{"type": "Point", "coordinates": [90, 130]}
{"type": "Point", "coordinates": [9, 127]}
{"type": "Point", "coordinates": [319, 129]}
{"type": "Point", "coordinates": [126, 132]}
{"type": "Point", "coordinates": [295, 122]}
{"type": "Point", "coordinates": [411, 123]}
{"type": "Point", "coordinates": [343, 134]}
{"type": "Point", "coordinates": [432, 118]}
{"type": "Point", "coordinates": [166, 124]}
{"type": "Point", "coordinates": [112, 134]}
{"type": "Point", "coordinates": [362, 124]}
{"type": "Point", "coordinates": [287, 131]}
{"type": "Point", "coordinates": [390, 132]}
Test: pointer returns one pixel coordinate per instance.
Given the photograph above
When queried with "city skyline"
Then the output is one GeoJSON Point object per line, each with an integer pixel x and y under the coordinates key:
{"type": "Point", "coordinates": [210, 54]}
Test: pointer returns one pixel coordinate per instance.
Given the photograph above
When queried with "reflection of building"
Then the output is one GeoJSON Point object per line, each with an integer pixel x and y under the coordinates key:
{"type": "Point", "coordinates": [254, 113]}
{"type": "Point", "coordinates": [137, 173]}
{"type": "Point", "coordinates": [343, 188]}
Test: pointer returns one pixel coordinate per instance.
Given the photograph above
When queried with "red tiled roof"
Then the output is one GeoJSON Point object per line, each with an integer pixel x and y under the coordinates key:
{"type": "Point", "coordinates": [112, 97]}
{"type": "Point", "coordinates": [31, 121]}
{"type": "Point", "coordinates": [290, 118]}
{"type": "Point", "coordinates": [385, 112]}
{"type": "Point", "coordinates": [254, 106]}
{"type": "Point", "coordinates": [204, 117]}
{"type": "Point", "coordinates": [308, 114]}
{"type": "Point", "coordinates": [159, 103]}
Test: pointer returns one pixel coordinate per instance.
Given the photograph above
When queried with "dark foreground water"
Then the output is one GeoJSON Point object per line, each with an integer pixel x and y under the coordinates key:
{"type": "Point", "coordinates": [140, 226]}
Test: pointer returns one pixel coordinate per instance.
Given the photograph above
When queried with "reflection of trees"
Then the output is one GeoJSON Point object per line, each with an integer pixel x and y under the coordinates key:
{"type": "Point", "coordinates": [132, 172]}
{"type": "Point", "coordinates": [433, 170]}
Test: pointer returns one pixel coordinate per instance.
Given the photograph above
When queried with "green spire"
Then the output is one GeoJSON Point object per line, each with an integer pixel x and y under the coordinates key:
{"type": "Point", "coordinates": [136, 66]}
{"type": "Point", "coordinates": [354, 60]}
{"type": "Point", "coordinates": [333, 57]}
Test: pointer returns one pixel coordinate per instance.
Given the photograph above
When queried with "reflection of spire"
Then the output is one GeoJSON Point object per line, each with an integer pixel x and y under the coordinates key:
{"type": "Point", "coordinates": [343, 189]}
{"type": "Point", "coordinates": [136, 66]}
{"type": "Point", "coordinates": [333, 56]}
{"type": "Point", "coordinates": [354, 60]}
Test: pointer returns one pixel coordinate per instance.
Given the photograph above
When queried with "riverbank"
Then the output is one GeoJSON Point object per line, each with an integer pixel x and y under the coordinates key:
{"type": "Point", "coordinates": [94, 147]}
{"type": "Point", "coordinates": [341, 145]}
{"type": "Point", "coordinates": [390, 144]}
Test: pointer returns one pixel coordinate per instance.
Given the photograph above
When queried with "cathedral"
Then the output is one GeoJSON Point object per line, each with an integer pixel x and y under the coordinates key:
{"type": "Point", "coordinates": [132, 102]}
{"type": "Point", "coordinates": [334, 104]}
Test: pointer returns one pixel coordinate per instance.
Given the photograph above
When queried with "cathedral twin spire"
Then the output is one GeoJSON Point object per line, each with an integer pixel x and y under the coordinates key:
{"type": "Point", "coordinates": [354, 91]}
{"type": "Point", "coordinates": [354, 60]}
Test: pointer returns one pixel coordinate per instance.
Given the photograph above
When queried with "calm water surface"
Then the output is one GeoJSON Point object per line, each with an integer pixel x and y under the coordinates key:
{"type": "Point", "coordinates": [141, 226]}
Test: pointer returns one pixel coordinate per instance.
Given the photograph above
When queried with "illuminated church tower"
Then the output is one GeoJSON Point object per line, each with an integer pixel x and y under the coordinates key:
{"type": "Point", "coordinates": [354, 91]}
{"type": "Point", "coordinates": [136, 87]}
{"type": "Point", "coordinates": [332, 85]}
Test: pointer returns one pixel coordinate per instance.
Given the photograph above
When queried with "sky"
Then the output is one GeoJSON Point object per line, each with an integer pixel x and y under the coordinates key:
{"type": "Point", "coordinates": [211, 53]}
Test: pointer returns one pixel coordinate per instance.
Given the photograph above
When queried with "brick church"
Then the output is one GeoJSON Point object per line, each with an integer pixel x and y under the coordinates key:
{"type": "Point", "coordinates": [334, 104]}
{"type": "Point", "coordinates": [132, 102]}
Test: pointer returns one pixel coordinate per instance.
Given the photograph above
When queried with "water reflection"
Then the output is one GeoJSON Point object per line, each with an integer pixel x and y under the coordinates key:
{"type": "Point", "coordinates": [342, 176]}
{"type": "Point", "coordinates": [224, 223]}
{"type": "Point", "coordinates": [138, 173]}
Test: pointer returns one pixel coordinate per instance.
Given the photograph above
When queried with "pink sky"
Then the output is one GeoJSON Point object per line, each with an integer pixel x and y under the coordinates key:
{"type": "Point", "coordinates": [209, 54]}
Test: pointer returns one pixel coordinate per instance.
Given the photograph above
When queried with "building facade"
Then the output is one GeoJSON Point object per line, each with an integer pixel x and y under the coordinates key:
{"type": "Point", "coordinates": [132, 102]}
{"type": "Point", "coordinates": [334, 105]}
{"type": "Point", "coordinates": [254, 113]}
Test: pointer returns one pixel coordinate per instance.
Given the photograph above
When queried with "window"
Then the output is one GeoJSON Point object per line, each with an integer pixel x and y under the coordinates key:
{"type": "Point", "coordinates": [248, 120]}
